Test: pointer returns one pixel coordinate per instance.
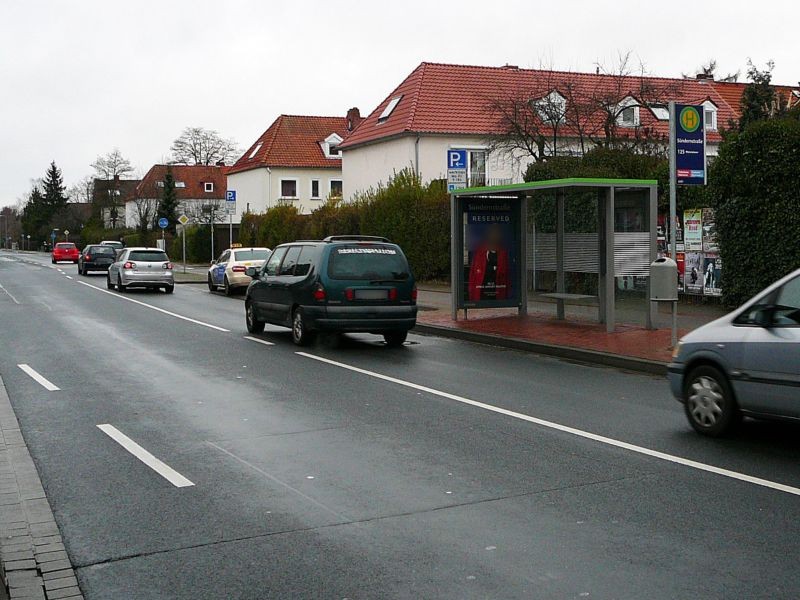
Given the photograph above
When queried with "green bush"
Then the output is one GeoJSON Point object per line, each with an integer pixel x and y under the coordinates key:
{"type": "Point", "coordinates": [754, 184]}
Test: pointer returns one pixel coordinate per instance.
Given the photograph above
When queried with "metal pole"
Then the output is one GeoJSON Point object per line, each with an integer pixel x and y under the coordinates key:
{"type": "Point", "coordinates": [183, 237]}
{"type": "Point", "coordinates": [674, 337]}
{"type": "Point", "coordinates": [673, 184]}
{"type": "Point", "coordinates": [212, 233]}
{"type": "Point", "coordinates": [230, 242]}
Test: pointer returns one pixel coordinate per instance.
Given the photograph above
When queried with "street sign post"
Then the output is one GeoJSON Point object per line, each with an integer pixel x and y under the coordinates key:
{"type": "Point", "coordinates": [456, 169]}
{"type": "Point", "coordinates": [163, 223]}
{"type": "Point", "coordinates": [183, 220]}
{"type": "Point", "coordinates": [230, 201]}
{"type": "Point", "coordinates": [66, 235]}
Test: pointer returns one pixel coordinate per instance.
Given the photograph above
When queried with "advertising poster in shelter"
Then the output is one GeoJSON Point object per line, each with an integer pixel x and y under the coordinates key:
{"type": "Point", "coordinates": [709, 231]}
{"type": "Point", "coordinates": [693, 273]}
{"type": "Point", "coordinates": [680, 260]}
{"type": "Point", "coordinates": [693, 229]}
{"type": "Point", "coordinates": [491, 278]}
{"type": "Point", "coordinates": [712, 275]}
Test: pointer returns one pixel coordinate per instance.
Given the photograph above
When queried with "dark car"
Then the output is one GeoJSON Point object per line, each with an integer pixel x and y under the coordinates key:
{"type": "Point", "coordinates": [337, 285]}
{"type": "Point", "coordinates": [96, 257]}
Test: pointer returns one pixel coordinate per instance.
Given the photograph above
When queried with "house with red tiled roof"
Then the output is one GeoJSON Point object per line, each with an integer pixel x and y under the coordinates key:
{"type": "Point", "coordinates": [441, 107]}
{"type": "Point", "coordinates": [199, 189]}
{"type": "Point", "coordinates": [296, 161]}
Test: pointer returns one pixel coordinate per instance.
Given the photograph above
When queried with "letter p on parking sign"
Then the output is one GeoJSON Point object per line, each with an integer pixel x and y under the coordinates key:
{"type": "Point", "coordinates": [456, 159]}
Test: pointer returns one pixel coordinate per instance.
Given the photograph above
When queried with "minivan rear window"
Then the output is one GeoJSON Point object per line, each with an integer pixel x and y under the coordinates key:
{"type": "Point", "coordinates": [368, 263]}
{"type": "Point", "coordinates": [148, 256]}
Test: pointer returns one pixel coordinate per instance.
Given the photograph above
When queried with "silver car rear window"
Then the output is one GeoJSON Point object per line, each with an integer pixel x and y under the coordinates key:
{"type": "Point", "coordinates": [148, 256]}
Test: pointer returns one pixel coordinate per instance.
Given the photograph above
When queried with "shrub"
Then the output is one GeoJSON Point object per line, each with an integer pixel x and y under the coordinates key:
{"type": "Point", "coordinates": [754, 184]}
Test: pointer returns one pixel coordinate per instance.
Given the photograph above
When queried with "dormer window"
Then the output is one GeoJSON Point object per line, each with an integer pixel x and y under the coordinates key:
{"type": "Point", "coordinates": [387, 112]}
{"type": "Point", "coordinates": [209, 186]}
{"type": "Point", "coordinates": [628, 113]}
{"type": "Point", "coordinates": [660, 112]}
{"type": "Point", "coordinates": [552, 108]}
{"type": "Point", "coordinates": [710, 115]}
{"type": "Point", "coordinates": [331, 146]}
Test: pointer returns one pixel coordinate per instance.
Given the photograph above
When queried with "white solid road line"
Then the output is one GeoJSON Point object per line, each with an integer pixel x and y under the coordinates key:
{"type": "Point", "coordinates": [161, 310]}
{"type": "Point", "coordinates": [143, 455]}
{"type": "Point", "coordinates": [571, 430]}
{"type": "Point", "coordinates": [38, 378]}
{"type": "Point", "coordinates": [9, 294]}
{"type": "Point", "coordinates": [68, 276]}
{"type": "Point", "coordinates": [252, 339]}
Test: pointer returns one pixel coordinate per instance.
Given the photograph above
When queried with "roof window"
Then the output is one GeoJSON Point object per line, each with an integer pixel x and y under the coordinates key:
{"type": "Point", "coordinates": [660, 112]}
{"type": "Point", "coordinates": [387, 112]}
{"type": "Point", "coordinates": [255, 151]}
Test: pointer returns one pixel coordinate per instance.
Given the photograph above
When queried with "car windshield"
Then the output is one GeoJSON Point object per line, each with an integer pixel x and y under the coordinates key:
{"type": "Point", "coordinates": [368, 262]}
{"type": "Point", "coordinates": [148, 256]}
{"type": "Point", "coordinates": [65, 246]}
{"type": "Point", "coordinates": [104, 250]}
{"type": "Point", "coordinates": [251, 255]}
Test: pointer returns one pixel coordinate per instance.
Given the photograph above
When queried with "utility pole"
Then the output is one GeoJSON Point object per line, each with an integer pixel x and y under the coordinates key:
{"type": "Point", "coordinates": [673, 185]}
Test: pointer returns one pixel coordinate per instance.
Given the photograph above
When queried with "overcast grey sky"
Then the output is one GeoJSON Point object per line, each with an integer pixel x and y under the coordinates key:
{"type": "Point", "coordinates": [81, 77]}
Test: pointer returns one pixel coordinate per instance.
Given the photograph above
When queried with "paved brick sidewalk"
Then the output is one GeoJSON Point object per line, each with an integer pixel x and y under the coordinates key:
{"type": "Point", "coordinates": [33, 560]}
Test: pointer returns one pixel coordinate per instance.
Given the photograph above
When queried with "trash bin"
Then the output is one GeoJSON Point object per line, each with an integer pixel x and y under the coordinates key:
{"type": "Point", "coordinates": [664, 280]}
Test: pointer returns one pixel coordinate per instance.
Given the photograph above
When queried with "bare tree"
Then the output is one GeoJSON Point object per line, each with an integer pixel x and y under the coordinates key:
{"type": "Point", "coordinates": [145, 210]}
{"type": "Point", "coordinates": [200, 146]}
{"type": "Point", "coordinates": [112, 165]}
{"type": "Point", "coordinates": [82, 191]}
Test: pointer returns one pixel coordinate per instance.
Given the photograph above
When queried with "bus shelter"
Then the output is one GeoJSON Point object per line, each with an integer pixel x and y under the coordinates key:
{"type": "Point", "coordinates": [569, 241]}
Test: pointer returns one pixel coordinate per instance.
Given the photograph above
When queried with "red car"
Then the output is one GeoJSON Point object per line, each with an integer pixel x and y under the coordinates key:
{"type": "Point", "coordinates": [65, 251]}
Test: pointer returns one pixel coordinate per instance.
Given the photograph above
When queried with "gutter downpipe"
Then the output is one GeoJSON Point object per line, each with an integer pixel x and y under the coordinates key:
{"type": "Point", "coordinates": [416, 156]}
{"type": "Point", "coordinates": [269, 187]}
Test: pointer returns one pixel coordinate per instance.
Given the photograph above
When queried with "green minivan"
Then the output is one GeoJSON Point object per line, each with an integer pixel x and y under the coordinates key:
{"type": "Point", "coordinates": [342, 284]}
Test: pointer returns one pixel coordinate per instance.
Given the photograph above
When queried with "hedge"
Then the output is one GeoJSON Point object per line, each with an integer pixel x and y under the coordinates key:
{"type": "Point", "coordinates": [754, 185]}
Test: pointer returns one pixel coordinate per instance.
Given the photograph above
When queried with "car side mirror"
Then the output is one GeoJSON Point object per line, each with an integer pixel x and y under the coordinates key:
{"type": "Point", "coordinates": [764, 316]}
{"type": "Point", "coordinates": [251, 272]}
{"type": "Point", "coordinates": [213, 262]}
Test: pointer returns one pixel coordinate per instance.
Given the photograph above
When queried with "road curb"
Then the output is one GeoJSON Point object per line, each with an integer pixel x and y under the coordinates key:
{"type": "Point", "coordinates": [583, 355]}
{"type": "Point", "coordinates": [33, 560]}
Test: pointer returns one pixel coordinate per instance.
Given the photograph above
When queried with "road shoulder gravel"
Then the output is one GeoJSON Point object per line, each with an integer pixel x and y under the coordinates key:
{"type": "Point", "coordinates": [33, 560]}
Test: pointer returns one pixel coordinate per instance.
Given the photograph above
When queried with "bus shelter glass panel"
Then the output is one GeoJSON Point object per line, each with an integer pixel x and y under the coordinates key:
{"type": "Point", "coordinates": [631, 254]}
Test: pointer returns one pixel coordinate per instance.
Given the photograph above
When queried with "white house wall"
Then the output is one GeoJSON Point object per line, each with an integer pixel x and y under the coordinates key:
{"type": "Point", "coordinates": [261, 188]}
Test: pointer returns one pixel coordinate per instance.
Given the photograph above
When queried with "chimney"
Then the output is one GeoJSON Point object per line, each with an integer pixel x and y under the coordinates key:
{"type": "Point", "coordinates": [220, 163]}
{"type": "Point", "coordinates": [353, 118]}
{"type": "Point", "coordinates": [704, 77]}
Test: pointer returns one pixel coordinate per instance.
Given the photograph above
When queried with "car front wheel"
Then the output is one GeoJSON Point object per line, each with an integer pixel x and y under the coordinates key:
{"type": "Point", "coordinates": [709, 403]}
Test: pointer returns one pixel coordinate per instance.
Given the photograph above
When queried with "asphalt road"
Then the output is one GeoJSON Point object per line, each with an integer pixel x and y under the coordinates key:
{"type": "Point", "coordinates": [439, 470]}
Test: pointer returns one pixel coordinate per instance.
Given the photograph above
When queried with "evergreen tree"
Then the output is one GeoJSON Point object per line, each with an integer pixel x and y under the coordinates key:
{"type": "Point", "coordinates": [53, 189]}
{"type": "Point", "coordinates": [168, 206]}
{"type": "Point", "coordinates": [36, 216]}
{"type": "Point", "coordinates": [759, 99]}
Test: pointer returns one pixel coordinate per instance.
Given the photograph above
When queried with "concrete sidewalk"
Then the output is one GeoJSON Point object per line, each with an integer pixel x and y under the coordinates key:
{"type": "Point", "coordinates": [580, 337]}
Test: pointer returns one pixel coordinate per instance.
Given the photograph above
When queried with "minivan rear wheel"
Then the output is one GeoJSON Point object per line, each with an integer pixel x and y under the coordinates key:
{"type": "Point", "coordinates": [300, 333]}
{"type": "Point", "coordinates": [395, 339]}
{"type": "Point", "coordinates": [708, 402]}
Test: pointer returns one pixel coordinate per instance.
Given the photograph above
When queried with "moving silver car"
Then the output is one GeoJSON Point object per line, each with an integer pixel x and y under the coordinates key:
{"type": "Point", "coordinates": [745, 363]}
{"type": "Point", "coordinates": [141, 267]}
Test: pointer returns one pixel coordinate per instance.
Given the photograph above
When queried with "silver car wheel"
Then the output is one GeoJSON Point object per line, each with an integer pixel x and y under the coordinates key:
{"type": "Point", "coordinates": [706, 400]}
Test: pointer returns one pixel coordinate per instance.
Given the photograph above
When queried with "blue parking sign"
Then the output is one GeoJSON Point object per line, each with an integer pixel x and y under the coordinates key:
{"type": "Point", "coordinates": [163, 223]}
{"type": "Point", "coordinates": [456, 159]}
{"type": "Point", "coordinates": [230, 195]}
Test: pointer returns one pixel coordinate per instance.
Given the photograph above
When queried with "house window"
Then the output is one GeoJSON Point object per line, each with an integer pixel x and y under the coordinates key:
{"type": "Point", "coordinates": [209, 186]}
{"type": "Point", "coordinates": [660, 112]}
{"type": "Point", "coordinates": [710, 116]}
{"type": "Point", "coordinates": [330, 146]}
{"type": "Point", "coordinates": [180, 184]}
{"type": "Point", "coordinates": [552, 108]}
{"type": "Point", "coordinates": [476, 168]}
{"type": "Point", "coordinates": [333, 149]}
{"type": "Point", "coordinates": [627, 118]}
{"type": "Point", "coordinates": [255, 151]}
{"type": "Point", "coordinates": [159, 184]}
{"type": "Point", "coordinates": [336, 188]}
{"type": "Point", "coordinates": [288, 188]}
{"type": "Point", "coordinates": [387, 112]}
{"type": "Point", "coordinates": [315, 189]}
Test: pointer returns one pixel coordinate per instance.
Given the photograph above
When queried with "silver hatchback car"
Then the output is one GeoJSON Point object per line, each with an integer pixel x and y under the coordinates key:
{"type": "Point", "coordinates": [745, 363]}
{"type": "Point", "coordinates": [141, 267]}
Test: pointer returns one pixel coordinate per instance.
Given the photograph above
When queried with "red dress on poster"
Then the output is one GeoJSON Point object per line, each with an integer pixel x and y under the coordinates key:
{"type": "Point", "coordinates": [488, 274]}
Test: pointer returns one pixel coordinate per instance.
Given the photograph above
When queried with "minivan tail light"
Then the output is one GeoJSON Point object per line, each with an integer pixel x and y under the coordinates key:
{"type": "Point", "coordinates": [414, 294]}
{"type": "Point", "coordinates": [350, 294]}
{"type": "Point", "coordinates": [239, 269]}
{"type": "Point", "coordinates": [319, 293]}
{"type": "Point", "coordinates": [393, 294]}
{"type": "Point", "coordinates": [129, 265]}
